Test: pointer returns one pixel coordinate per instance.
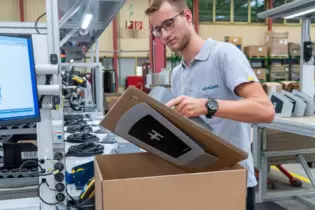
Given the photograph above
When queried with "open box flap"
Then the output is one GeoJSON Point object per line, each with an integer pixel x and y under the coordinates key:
{"type": "Point", "coordinates": [226, 153]}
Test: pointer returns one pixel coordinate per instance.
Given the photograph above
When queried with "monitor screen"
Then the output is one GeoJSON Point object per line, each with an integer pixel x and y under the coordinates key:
{"type": "Point", "coordinates": [18, 86]}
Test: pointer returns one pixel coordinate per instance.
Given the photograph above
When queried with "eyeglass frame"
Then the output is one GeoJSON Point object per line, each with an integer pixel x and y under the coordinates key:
{"type": "Point", "coordinates": [162, 26]}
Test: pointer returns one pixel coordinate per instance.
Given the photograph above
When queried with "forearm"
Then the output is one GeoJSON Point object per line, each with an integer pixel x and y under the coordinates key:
{"type": "Point", "coordinates": [251, 110]}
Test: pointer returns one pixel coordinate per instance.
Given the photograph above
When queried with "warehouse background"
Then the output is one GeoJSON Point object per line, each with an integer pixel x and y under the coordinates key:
{"type": "Point", "coordinates": [217, 19]}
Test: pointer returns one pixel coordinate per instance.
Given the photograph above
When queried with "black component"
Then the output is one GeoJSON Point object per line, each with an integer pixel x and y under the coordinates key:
{"type": "Point", "coordinates": [60, 197]}
{"type": "Point", "coordinates": [56, 100]}
{"type": "Point", "coordinates": [15, 154]}
{"type": "Point", "coordinates": [277, 103]}
{"type": "Point", "coordinates": [59, 177]}
{"type": "Point", "coordinates": [73, 117]}
{"type": "Point", "coordinates": [153, 133]}
{"type": "Point", "coordinates": [60, 187]}
{"type": "Point", "coordinates": [82, 137]}
{"type": "Point", "coordinates": [58, 156]}
{"type": "Point", "coordinates": [17, 137]}
{"type": "Point", "coordinates": [38, 19]}
{"type": "Point", "coordinates": [41, 161]}
{"type": "Point", "coordinates": [54, 59]}
{"type": "Point", "coordinates": [79, 128]}
{"type": "Point", "coordinates": [108, 81]}
{"type": "Point", "coordinates": [59, 166]}
{"type": "Point", "coordinates": [307, 51]}
{"type": "Point", "coordinates": [85, 150]}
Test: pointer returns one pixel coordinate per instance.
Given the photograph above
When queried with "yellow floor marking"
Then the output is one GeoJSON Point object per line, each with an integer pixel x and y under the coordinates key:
{"type": "Point", "coordinates": [302, 178]}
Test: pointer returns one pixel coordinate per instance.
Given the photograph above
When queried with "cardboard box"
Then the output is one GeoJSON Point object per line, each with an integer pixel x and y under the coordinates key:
{"type": "Point", "coordinates": [294, 49]}
{"type": "Point", "coordinates": [255, 51]}
{"type": "Point", "coordinates": [290, 85]}
{"type": "Point", "coordinates": [279, 76]}
{"type": "Point", "coordinates": [272, 87]}
{"type": "Point", "coordinates": [237, 40]}
{"type": "Point", "coordinates": [260, 73]}
{"type": "Point", "coordinates": [277, 44]}
{"type": "Point", "coordinates": [142, 181]}
{"type": "Point", "coordinates": [279, 68]}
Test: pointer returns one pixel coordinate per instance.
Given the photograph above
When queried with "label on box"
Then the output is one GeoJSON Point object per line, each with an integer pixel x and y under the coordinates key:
{"type": "Point", "coordinates": [258, 72]}
{"type": "Point", "coordinates": [281, 42]}
{"type": "Point", "coordinates": [286, 69]}
{"type": "Point", "coordinates": [235, 40]}
{"type": "Point", "coordinates": [285, 41]}
{"type": "Point", "coordinates": [259, 49]}
{"type": "Point", "coordinates": [273, 89]}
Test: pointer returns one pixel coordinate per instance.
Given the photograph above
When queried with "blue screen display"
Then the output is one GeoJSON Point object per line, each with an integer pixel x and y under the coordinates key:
{"type": "Point", "coordinates": [18, 85]}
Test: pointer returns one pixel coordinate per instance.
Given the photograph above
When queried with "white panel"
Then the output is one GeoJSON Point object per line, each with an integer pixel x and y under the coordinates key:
{"type": "Point", "coordinates": [126, 68]}
{"type": "Point", "coordinates": [9, 10]}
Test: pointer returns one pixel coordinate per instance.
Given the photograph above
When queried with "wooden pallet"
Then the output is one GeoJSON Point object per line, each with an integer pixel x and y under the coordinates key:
{"type": "Point", "coordinates": [256, 57]}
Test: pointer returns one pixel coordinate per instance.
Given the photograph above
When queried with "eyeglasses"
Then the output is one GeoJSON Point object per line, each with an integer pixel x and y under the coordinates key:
{"type": "Point", "coordinates": [167, 25]}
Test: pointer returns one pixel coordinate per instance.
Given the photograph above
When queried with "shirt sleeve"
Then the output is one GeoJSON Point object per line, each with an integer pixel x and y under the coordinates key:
{"type": "Point", "coordinates": [235, 67]}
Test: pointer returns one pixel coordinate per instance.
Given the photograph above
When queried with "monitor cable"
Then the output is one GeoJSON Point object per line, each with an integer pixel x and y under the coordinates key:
{"type": "Point", "coordinates": [87, 149]}
{"type": "Point", "coordinates": [80, 128]}
{"type": "Point", "coordinates": [82, 138]}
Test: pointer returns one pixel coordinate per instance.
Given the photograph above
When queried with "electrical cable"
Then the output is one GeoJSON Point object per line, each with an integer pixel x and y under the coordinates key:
{"type": "Point", "coordinates": [30, 161]}
{"type": "Point", "coordinates": [38, 193]}
{"type": "Point", "coordinates": [80, 128]}
{"type": "Point", "coordinates": [85, 150]}
{"type": "Point", "coordinates": [37, 20]}
{"type": "Point", "coordinates": [82, 138]}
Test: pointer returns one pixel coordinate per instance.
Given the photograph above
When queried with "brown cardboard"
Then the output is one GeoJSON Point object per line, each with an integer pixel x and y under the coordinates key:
{"type": "Point", "coordinates": [294, 49]}
{"type": "Point", "coordinates": [237, 40]}
{"type": "Point", "coordinates": [260, 73]}
{"type": "Point", "coordinates": [227, 153]}
{"type": "Point", "coordinates": [255, 51]}
{"type": "Point", "coordinates": [272, 87]}
{"type": "Point", "coordinates": [290, 85]}
{"type": "Point", "coordinates": [277, 43]}
{"type": "Point", "coordinates": [143, 181]}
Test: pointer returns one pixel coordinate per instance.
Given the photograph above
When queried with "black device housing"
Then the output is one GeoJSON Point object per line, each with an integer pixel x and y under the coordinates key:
{"type": "Point", "coordinates": [307, 52]}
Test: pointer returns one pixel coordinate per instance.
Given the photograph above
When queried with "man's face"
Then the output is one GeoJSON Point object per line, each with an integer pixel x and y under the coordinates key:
{"type": "Point", "coordinates": [171, 26]}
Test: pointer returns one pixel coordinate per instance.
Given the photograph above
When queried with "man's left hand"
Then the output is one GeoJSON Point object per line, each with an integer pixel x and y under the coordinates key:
{"type": "Point", "coordinates": [187, 106]}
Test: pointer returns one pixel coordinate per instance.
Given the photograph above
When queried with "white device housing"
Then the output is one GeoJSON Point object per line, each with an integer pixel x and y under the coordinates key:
{"type": "Point", "coordinates": [299, 104]}
{"type": "Point", "coordinates": [308, 100]}
{"type": "Point", "coordinates": [196, 157]}
{"type": "Point", "coordinates": [283, 105]}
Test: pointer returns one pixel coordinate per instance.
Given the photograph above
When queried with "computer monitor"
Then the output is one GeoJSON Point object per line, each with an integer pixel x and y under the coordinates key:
{"type": "Point", "coordinates": [18, 87]}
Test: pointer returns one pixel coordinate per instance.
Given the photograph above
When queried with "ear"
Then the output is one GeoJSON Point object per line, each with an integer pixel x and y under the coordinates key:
{"type": "Point", "coordinates": [188, 15]}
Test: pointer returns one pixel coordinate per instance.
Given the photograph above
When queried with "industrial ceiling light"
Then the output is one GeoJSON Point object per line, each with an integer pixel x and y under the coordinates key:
{"type": "Point", "coordinates": [300, 14]}
{"type": "Point", "coordinates": [87, 18]}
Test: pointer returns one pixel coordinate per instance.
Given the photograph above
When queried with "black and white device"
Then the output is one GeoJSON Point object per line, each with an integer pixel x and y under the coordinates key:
{"type": "Point", "coordinates": [299, 105]}
{"type": "Point", "coordinates": [163, 95]}
{"type": "Point", "coordinates": [308, 100]}
{"type": "Point", "coordinates": [283, 105]}
{"type": "Point", "coordinates": [145, 127]}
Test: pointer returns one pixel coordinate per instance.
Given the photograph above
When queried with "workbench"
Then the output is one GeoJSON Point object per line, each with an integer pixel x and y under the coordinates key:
{"type": "Point", "coordinates": [303, 126]}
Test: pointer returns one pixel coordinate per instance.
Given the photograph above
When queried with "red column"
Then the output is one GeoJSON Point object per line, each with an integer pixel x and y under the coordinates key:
{"type": "Point", "coordinates": [196, 14]}
{"type": "Point", "coordinates": [21, 7]}
{"type": "Point", "coordinates": [115, 58]}
{"type": "Point", "coordinates": [270, 6]}
{"type": "Point", "coordinates": [157, 53]}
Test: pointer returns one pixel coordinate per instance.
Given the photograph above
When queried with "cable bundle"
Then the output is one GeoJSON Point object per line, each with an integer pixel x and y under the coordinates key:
{"type": "Point", "coordinates": [79, 128]}
{"type": "Point", "coordinates": [85, 150]}
{"type": "Point", "coordinates": [82, 138]}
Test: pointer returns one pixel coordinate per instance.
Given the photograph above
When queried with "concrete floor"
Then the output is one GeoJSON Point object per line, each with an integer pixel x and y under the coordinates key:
{"type": "Point", "coordinates": [282, 185]}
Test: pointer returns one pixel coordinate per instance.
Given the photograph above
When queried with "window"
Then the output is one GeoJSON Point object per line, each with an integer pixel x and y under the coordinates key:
{"type": "Point", "coordinates": [223, 11]}
{"type": "Point", "coordinates": [277, 3]}
{"type": "Point", "coordinates": [256, 6]}
{"type": "Point", "coordinates": [205, 10]}
{"type": "Point", "coordinates": [241, 10]}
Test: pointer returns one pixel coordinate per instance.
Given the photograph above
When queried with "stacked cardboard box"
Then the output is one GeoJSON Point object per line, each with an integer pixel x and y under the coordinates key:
{"type": "Point", "coordinates": [272, 87]}
{"type": "Point", "coordinates": [277, 44]}
{"type": "Point", "coordinates": [294, 49]}
{"type": "Point", "coordinates": [295, 72]}
{"type": "Point", "coordinates": [279, 72]}
{"type": "Point", "coordinates": [290, 85]}
{"type": "Point", "coordinates": [236, 40]}
{"type": "Point", "coordinates": [260, 73]}
{"type": "Point", "coordinates": [258, 51]}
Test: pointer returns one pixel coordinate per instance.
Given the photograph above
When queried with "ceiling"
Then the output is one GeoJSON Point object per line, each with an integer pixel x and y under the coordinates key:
{"type": "Point", "coordinates": [75, 41]}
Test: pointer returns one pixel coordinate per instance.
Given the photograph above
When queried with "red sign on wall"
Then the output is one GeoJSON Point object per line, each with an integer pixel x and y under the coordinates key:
{"type": "Point", "coordinates": [138, 25]}
{"type": "Point", "coordinates": [129, 25]}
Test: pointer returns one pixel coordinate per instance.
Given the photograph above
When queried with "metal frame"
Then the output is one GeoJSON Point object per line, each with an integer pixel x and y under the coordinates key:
{"type": "Point", "coordinates": [261, 156]}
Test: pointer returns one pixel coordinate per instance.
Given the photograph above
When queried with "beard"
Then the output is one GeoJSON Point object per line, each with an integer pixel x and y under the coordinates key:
{"type": "Point", "coordinates": [183, 43]}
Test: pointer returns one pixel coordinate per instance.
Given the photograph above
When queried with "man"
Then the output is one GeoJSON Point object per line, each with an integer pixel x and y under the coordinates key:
{"type": "Point", "coordinates": [214, 81]}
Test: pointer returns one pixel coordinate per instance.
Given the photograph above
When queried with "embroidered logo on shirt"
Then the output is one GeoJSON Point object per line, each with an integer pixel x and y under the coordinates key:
{"type": "Point", "coordinates": [250, 78]}
{"type": "Point", "coordinates": [210, 87]}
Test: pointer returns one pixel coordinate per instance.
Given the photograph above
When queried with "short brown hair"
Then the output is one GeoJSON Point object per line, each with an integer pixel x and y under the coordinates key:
{"type": "Point", "coordinates": [155, 5]}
